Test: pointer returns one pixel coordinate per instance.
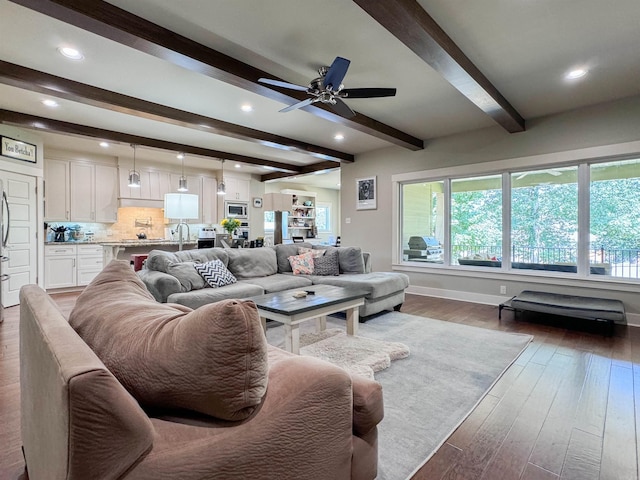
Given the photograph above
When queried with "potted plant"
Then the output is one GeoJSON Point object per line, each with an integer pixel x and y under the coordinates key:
{"type": "Point", "coordinates": [230, 224]}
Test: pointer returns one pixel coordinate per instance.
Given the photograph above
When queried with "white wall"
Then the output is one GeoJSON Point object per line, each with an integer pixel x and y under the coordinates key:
{"type": "Point", "coordinates": [607, 125]}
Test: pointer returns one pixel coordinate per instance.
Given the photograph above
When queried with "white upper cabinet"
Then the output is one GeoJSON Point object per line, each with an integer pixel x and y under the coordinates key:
{"type": "Point", "coordinates": [82, 192]}
{"type": "Point", "coordinates": [209, 200]}
{"type": "Point", "coordinates": [56, 191]}
{"type": "Point", "coordinates": [106, 194]}
{"type": "Point", "coordinates": [237, 189]}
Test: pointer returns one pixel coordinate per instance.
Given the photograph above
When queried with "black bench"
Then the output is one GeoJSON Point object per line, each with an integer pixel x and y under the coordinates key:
{"type": "Point", "coordinates": [587, 308]}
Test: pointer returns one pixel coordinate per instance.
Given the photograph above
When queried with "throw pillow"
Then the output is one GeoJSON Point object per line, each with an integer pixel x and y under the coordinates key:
{"type": "Point", "coordinates": [314, 252]}
{"type": "Point", "coordinates": [215, 273]}
{"type": "Point", "coordinates": [302, 264]}
{"type": "Point", "coordinates": [327, 264]}
{"type": "Point", "coordinates": [187, 275]}
{"type": "Point", "coordinates": [212, 360]}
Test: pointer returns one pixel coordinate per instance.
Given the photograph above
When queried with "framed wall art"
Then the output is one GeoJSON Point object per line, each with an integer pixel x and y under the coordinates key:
{"type": "Point", "coordinates": [367, 197]}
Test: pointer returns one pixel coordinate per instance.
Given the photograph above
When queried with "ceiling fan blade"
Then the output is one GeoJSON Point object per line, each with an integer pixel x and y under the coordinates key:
{"type": "Point", "coordinates": [368, 92]}
{"type": "Point", "coordinates": [279, 83]}
{"type": "Point", "coordinates": [343, 109]}
{"type": "Point", "coordinates": [336, 73]}
{"type": "Point", "coordinates": [301, 104]}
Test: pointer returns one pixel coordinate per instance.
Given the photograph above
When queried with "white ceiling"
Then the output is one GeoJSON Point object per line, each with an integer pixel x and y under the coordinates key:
{"type": "Point", "coordinates": [524, 48]}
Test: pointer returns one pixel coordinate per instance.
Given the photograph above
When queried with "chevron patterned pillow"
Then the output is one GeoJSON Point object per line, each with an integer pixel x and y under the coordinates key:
{"type": "Point", "coordinates": [215, 273]}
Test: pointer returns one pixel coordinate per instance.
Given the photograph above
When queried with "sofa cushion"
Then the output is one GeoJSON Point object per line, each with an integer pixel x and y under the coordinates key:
{"type": "Point", "coordinates": [215, 273]}
{"type": "Point", "coordinates": [252, 262]}
{"type": "Point", "coordinates": [284, 251]}
{"type": "Point", "coordinates": [160, 260]}
{"type": "Point", "coordinates": [376, 284]}
{"type": "Point", "coordinates": [302, 264]}
{"type": "Point", "coordinates": [279, 282]}
{"type": "Point", "coordinates": [326, 264]}
{"type": "Point", "coordinates": [198, 298]}
{"type": "Point", "coordinates": [212, 360]}
{"type": "Point", "coordinates": [187, 275]}
{"type": "Point", "coordinates": [351, 259]}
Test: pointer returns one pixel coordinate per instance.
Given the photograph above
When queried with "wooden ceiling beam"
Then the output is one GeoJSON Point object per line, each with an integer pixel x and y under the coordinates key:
{"type": "Point", "coordinates": [409, 23]}
{"type": "Point", "coordinates": [109, 21]}
{"type": "Point", "coordinates": [36, 81]}
{"type": "Point", "coordinates": [316, 167]}
{"type": "Point", "coordinates": [47, 124]}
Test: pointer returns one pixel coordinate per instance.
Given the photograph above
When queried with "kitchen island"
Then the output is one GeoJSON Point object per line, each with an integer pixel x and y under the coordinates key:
{"type": "Point", "coordinates": [123, 249]}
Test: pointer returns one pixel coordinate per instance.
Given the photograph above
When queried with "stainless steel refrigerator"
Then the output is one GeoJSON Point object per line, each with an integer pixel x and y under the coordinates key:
{"type": "Point", "coordinates": [4, 237]}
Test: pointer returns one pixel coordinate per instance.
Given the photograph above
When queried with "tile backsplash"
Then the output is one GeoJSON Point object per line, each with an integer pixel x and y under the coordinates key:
{"type": "Point", "coordinates": [135, 220]}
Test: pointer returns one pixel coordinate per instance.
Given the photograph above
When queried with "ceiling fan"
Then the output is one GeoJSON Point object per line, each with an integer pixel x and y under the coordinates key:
{"type": "Point", "coordinates": [328, 88]}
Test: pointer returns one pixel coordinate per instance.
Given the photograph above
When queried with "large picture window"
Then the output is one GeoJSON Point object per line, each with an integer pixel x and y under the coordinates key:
{"type": "Point", "coordinates": [423, 221]}
{"type": "Point", "coordinates": [476, 221]}
{"type": "Point", "coordinates": [614, 233]}
{"type": "Point", "coordinates": [544, 220]}
{"type": "Point", "coordinates": [579, 219]}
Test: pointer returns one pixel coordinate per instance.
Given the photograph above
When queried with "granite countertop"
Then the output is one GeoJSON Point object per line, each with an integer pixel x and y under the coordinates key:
{"type": "Point", "coordinates": [127, 243]}
{"type": "Point", "coordinates": [144, 243]}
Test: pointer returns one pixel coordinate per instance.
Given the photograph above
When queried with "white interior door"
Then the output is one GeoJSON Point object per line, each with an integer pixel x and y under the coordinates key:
{"type": "Point", "coordinates": [22, 242]}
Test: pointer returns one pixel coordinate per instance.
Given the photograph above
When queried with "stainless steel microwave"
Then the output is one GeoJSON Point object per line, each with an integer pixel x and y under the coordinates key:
{"type": "Point", "coordinates": [236, 209]}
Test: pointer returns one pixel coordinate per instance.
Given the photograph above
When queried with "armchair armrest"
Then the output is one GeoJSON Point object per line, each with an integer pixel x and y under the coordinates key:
{"type": "Point", "coordinates": [368, 405]}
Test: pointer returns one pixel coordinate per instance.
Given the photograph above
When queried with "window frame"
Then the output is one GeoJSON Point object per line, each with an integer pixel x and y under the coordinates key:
{"type": "Point", "coordinates": [506, 168]}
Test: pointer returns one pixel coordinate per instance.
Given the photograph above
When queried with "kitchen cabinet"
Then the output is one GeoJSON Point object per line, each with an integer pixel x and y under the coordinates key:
{"type": "Point", "coordinates": [59, 266]}
{"type": "Point", "coordinates": [237, 189]}
{"type": "Point", "coordinates": [106, 194]}
{"type": "Point", "coordinates": [89, 263]}
{"type": "Point", "coordinates": [277, 202]}
{"type": "Point", "coordinates": [69, 265]}
{"type": "Point", "coordinates": [82, 194]}
{"type": "Point", "coordinates": [56, 191]}
{"type": "Point", "coordinates": [209, 200]}
{"type": "Point", "coordinates": [153, 185]}
{"type": "Point", "coordinates": [94, 193]}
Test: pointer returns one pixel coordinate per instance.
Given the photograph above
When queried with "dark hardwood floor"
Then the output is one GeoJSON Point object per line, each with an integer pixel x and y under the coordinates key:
{"type": "Point", "coordinates": [567, 408]}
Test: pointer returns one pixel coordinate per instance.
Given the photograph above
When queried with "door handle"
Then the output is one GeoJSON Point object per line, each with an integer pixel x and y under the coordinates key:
{"type": "Point", "coordinates": [4, 277]}
{"type": "Point", "coordinates": [6, 202]}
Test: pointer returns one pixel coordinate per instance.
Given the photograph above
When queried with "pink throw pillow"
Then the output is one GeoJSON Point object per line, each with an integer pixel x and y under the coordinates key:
{"type": "Point", "coordinates": [302, 264]}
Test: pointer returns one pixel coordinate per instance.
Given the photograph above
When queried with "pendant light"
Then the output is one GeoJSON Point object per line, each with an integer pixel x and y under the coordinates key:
{"type": "Point", "coordinates": [134, 175]}
{"type": "Point", "coordinates": [182, 183]}
{"type": "Point", "coordinates": [222, 188]}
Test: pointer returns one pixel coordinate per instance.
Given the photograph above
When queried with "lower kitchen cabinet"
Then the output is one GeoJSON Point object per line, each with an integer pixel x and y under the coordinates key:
{"type": "Point", "coordinates": [68, 265]}
{"type": "Point", "coordinates": [89, 263]}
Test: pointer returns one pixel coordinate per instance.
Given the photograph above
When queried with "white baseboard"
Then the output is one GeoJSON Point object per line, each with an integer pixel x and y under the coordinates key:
{"type": "Point", "coordinates": [633, 319]}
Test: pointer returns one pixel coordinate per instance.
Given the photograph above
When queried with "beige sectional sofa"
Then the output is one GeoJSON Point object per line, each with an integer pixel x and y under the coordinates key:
{"type": "Point", "coordinates": [129, 388]}
{"type": "Point", "coordinates": [171, 276]}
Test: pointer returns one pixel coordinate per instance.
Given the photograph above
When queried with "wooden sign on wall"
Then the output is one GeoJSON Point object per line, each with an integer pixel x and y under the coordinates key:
{"type": "Point", "coordinates": [18, 150]}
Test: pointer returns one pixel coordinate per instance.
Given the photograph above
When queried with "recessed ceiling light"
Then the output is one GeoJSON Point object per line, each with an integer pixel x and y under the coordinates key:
{"type": "Point", "coordinates": [246, 108]}
{"type": "Point", "coordinates": [338, 136]}
{"type": "Point", "coordinates": [71, 53]}
{"type": "Point", "coordinates": [104, 144]}
{"type": "Point", "coordinates": [180, 156]}
{"type": "Point", "coordinates": [50, 103]}
{"type": "Point", "coordinates": [577, 73]}
{"type": "Point", "coordinates": [237, 165]}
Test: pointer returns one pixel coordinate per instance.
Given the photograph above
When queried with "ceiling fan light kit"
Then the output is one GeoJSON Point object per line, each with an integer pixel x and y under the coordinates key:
{"type": "Point", "coordinates": [327, 88]}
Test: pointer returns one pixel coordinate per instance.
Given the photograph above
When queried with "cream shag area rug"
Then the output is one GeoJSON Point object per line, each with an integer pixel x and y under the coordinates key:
{"type": "Point", "coordinates": [359, 355]}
